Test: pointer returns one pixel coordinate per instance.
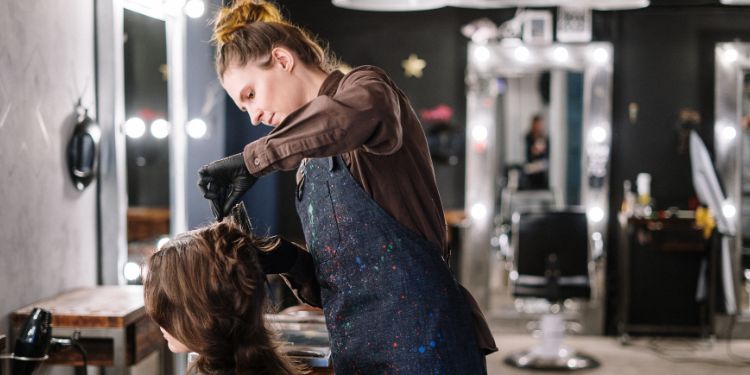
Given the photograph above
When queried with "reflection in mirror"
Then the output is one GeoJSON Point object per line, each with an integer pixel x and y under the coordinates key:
{"type": "Point", "coordinates": [732, 159]}
{"type": "Point", "coordinates": [539, 138]}
{"type": "Point", "coordinates": [147, 142]}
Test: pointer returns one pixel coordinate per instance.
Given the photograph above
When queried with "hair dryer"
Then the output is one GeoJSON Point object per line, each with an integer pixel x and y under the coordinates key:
{"type": "Point", "coordinates": [33, 342]}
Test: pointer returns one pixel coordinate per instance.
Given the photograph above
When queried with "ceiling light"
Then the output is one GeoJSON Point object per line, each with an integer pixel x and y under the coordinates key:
{"type": "Point", "coordinates": [390, 5]}
{"type": "Point", "coordinates": [735, 2]}
{"type": "Point", "coordinates": [410, 5]}
{"type": "Point", "coordinates": [486, 4]}
{"type": "Point", "coordinates": [610, 4]}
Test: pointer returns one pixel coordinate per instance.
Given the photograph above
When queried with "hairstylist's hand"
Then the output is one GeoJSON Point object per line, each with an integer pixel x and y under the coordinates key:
{"type": "Point", "coordinates": [224, 182]}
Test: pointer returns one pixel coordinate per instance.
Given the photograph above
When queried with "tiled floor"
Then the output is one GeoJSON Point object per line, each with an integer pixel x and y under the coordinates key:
{"type": "Point", "coordinates": [644, 356]}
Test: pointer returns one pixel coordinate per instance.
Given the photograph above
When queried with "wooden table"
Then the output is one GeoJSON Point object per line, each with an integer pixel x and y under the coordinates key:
{"type": "Point", "coordinates": [112, 322]}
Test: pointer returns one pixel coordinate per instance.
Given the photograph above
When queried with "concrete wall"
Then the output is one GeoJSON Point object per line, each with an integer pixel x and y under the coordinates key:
{"type": "Point", "coordinates": [47, 228]}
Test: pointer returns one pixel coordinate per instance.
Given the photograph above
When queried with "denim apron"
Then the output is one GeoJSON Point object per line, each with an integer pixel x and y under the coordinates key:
{"type": "Point", "coordinates": [391, 304]}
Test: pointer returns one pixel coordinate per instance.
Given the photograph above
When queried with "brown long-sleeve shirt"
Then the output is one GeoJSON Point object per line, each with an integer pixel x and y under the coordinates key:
{"type": "Point", "coordinates": [366, 119]}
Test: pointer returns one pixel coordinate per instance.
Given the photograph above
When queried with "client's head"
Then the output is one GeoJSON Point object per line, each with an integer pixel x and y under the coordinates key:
{"type": "Point", "coordinates": [205, 289]}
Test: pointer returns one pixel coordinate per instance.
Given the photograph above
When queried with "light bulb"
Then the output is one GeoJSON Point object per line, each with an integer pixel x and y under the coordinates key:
{"type": "Point", "coordinates": [160, 128]}
{"type": "Point", "coordinates": [481, 54]}
{"type": "Point", "coordinates": [560, 54]}
{"type": "Point", "coordinates": [728, 210]}
{"type": "Point", "coordinates": [479, 133]}
{"type": "Point", "coordinates": [135, 127]}
{"type": "Point", "coordinates": [601, 55]}
{"type": "Point", "coordinates": [194, 8]}
{"type": "Point", "coordinates": [196, 128]}
{"type": "Point", "coordinates": [478, 211]}
{"type": "Point", "coordinates": [598, 134]}
{"type": "Point", "coordinates": [131, 271]}
{"type": "Point", "coordinates": [596, 214]}
{"type": "Point", "coordinates": [728, 133]}
{"type": "Point", "coordinates": [162, 241]}
{"type": "Point", "coordinates": [521, 53]}
{"type": "Point", "coordinates": [730, 55]}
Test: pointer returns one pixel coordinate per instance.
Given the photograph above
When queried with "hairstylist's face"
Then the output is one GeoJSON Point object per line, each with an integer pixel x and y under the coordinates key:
{"type": "Point", "coordinates": [174, 345]}
{"type": "Point", "coordinates": [268, 95]}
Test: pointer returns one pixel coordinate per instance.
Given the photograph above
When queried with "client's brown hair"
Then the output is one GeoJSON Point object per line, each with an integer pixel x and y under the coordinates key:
{"type": "Point", "coordinates": [205, 288]}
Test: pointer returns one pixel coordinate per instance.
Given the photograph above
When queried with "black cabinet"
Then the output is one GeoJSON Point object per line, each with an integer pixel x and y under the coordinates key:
{"type": "Point", "coordinates": [665, 273]}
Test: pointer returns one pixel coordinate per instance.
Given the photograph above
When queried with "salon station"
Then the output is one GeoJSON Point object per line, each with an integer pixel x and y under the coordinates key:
{"type": "Point", "coordinates": [592, 157]}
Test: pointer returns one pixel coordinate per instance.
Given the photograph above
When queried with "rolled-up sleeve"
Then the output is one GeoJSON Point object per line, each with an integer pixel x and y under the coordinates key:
{"type": "Point", "coordinates": [364, 112]}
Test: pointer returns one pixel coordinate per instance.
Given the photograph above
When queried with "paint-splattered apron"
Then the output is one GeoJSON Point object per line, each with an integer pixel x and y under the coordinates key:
{"type": "Point", "coordinates": [390, 302]}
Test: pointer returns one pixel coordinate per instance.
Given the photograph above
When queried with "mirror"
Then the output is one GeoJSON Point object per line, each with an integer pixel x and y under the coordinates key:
{"type": "Point", "coordinates": [732, 159]}
{"type": "Point", "coordinates": [564, 91]}
{"type": "Point", "coordinates": [539, 130]}
{"type": "Point", "coordinates": [142, 106]}
{"type": "Point", "coordinates": [146, 97]}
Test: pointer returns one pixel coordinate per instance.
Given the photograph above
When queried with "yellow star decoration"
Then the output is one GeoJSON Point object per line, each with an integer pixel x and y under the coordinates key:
{"type": "Point", "coordinates": [413, 66]}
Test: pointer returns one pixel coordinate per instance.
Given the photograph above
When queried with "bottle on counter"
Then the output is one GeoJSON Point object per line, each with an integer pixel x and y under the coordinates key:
{"type": "Point", "coordinates": [628, 200]}
{"type": "Point", "coordinates": [645, 205]}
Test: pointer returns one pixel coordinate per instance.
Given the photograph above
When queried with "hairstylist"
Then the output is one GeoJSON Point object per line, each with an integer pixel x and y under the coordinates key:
{"type": "Point", "coordinates": [366, 197]}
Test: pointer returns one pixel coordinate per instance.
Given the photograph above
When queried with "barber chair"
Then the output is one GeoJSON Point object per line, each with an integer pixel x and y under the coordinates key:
{"type": "Point", "coordinates": [551, 256]}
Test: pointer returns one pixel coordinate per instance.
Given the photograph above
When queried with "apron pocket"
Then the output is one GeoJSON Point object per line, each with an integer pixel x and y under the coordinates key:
{"type": "Point", "coordinates": [334, 214]}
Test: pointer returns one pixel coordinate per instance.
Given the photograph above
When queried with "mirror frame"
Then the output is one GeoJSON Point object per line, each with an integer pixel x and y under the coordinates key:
{"type": "Point", "coordinates": [732, 61]}
{"type": "Point", "coordinates": [113, 200]}
{"type": "Point", "coordinates": [512, 58]}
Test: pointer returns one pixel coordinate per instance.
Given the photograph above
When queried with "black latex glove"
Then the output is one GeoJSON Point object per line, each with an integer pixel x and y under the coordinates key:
{"type": "Point", "coordinates": [224, 182]}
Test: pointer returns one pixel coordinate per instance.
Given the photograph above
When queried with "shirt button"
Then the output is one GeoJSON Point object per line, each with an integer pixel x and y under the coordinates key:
{"type": "Point", "coordinates": [256, 161]}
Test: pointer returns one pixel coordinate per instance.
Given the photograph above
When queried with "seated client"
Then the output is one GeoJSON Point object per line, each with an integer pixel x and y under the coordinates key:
{"type": "Point", "coordinates": [206, 290]}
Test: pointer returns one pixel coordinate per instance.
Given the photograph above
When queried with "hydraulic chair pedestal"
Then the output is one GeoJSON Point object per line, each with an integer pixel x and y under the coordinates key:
{"type": "Point", "coordinates": [550, 353]}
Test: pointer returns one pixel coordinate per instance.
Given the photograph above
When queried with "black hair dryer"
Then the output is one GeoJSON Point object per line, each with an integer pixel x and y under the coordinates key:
{"type": "Point", "coordinates": [33, 342]}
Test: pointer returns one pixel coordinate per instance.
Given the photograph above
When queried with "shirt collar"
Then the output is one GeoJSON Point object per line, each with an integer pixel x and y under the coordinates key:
{"type": "Point", "coordinates": [331, 83]}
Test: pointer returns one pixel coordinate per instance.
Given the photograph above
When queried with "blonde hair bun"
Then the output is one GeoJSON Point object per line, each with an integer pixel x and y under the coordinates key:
{"type": "Point", "coordinates": [243, 12]}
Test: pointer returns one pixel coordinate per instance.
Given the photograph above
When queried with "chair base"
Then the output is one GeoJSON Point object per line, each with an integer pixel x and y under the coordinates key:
{"type": "Point", "coordinates": [565, 360]}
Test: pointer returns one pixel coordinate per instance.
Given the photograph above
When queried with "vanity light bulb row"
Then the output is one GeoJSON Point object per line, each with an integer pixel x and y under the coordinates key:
{"type": "Point", "coordinates": [135, 128]}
